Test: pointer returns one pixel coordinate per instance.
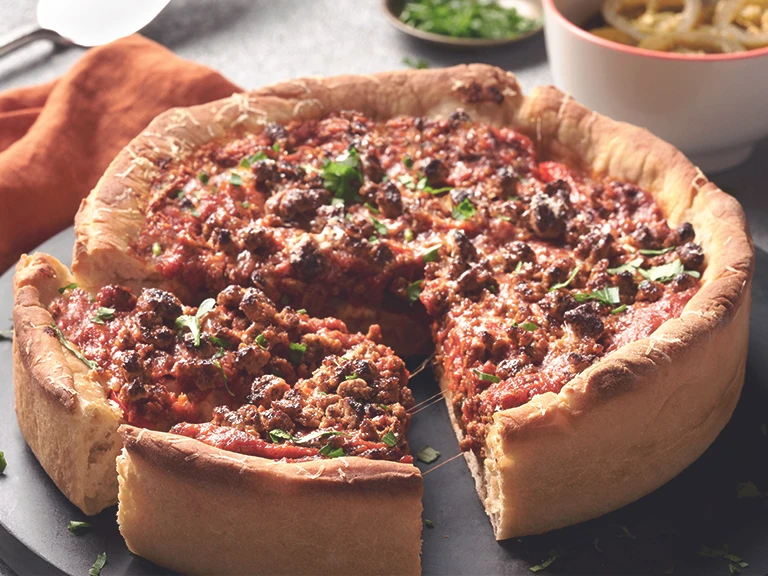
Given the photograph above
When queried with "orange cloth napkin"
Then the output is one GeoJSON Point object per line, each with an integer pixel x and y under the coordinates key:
{"type": "Point", "coordinates": [57, 139]}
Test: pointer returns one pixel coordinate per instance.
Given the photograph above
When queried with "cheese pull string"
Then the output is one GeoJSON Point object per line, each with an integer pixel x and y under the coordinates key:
{"type": "Point", "coordinates": [451, 459]}
{"type": "Point", "coordinates": [427, 361]}
{"type": "Point", "coordinates": [423, 402]}
{"type": "Point", "coordinates": [424, 405]}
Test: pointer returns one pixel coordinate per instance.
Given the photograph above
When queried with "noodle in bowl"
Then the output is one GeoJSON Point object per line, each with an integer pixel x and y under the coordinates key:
{"type": "Point", "coordinates": [691, 71]}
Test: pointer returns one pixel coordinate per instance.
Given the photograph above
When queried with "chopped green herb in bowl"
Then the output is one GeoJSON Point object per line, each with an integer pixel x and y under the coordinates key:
{"type": "Point", "coordinates": [481, 20]}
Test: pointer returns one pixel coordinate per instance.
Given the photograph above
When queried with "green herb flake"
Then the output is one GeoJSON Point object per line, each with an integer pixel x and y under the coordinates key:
{"type": "Point", "coordinates": [203, 177]}
{"type": "Point", "coordinates": [67, 287]}
{"type": "Point", "coordinates": [539, 567]}
{"type": "Point", "coordinates": [245, 204]}
{"type": "Point", "coordinates": [3, 463]}
{"type": "Point", "coordinates": [747, 490]}
{"type": "Point", "coordinates": [734, 569]}
{"type": "Point", "coordinates": [656, 252]}
{"type": "Point", "coordinates": [193, 322]}
{"type": "Point", "coordinates": [75, 351]}
{"type": "Point", "coordinates": [262, 341]}
{"type": "Point", "coordinates": [529, 326]}
{"type": "Point", "coordinates": [296, 353]}
{"type": "Point", "coordinates": [464, 210]}
{"type": "Point", "coordinates": [157, 249]}
{"type": "Point", "coordinates": [373, 239]}
{"type": "Point", "coordinates": [519, 267]}
{"type": "Point", "coordinates": [625, 533]}
{"type": "Point", "coordinates": [352, 376]}
{"type": "Point", "coordinates": [485, 377]}
{"type": "Point", "coordinates": [630, 266]}
{"type": "Point", "coordinates": [331, 452]}
{"type": "Point", "coordinates": [596, 544]}
{"type": "Point", "coordinates": [235, 179]}
{"type": "Point", "coordinates": [609, 296]}
{"type": "Point", "coordinates": [78, 528]}
{"type": "Point", "coordinates": [415, 63]}
{"type": "Point", "coordinates": [428, 523]}
{"type": "Point", "coordinates": [407, 181]}
{"type": "Point", "coordinates": [428, 455]}
{"type": "Point", "coordinates": [301, 311]}
{"type": "Point", "coordinates": [279, 436]}
{"type": "Point", "coordinates": [101, 560]}
{"type": "Point", "coordinates": [408, 235]}
{"type": "Point", "coordinates": [371, 208]}
{"type": "Point", "coordinates": [344, 176]}
{"type": "Point", "coordinates": [431, 254]}
{"type": "Point", "coordinates": [619, 309]}
{"type": "Point", "coordinates": [389, 439]}
{"type": "Point", "coordinates": [408, 161]}
{"type": "Point", "coordinates": [414, 291]}
{"type": "Point", "coordinates": [276, 147]}
{"type": "Point", "coordinates": [102, 314]}
{"type": "Point", "coordinates": [663, 273]}
{"type": "Point", "coordinates": [179, 194]}
{"type": "Point", "coordinates": [221, 371]}
{"type": "Point", "coordinates": [565, 284]}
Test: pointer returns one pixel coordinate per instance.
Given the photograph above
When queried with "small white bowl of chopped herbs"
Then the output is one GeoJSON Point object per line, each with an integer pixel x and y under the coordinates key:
{"type": "Point", "coordinates": [466, 23]}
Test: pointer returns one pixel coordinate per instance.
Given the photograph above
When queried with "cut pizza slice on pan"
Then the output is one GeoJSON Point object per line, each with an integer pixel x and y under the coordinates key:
{"type": "Point", "coordinates": [584, 287]}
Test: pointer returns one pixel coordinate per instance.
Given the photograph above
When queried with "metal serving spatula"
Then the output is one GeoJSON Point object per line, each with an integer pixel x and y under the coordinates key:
{"type": "Point", "coordinates": [83, 22]}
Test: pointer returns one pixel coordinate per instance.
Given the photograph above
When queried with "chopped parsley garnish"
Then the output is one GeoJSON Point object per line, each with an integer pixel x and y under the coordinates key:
{"type": "Point", "coordinates": [630, 266]}
{"type": "Point", "coordinates": [248, 161]}
{"type": "Point", "coordinates": [748, 490]}
{"type": "Point", "coordinates": [203, 177]}
{"type": "Point", "coordinates": [486, 377]}
{"type": "Point", "coordinates": [352, 376]}
{"type": "Point", "coordinates": [464, 210]}
{"type": "Point", "coordinates": [431, 254]}
{"type": "Point", "coordinates": [331, 452]}
{"type": "Point", "coordinates": [407, 181]}
{"type": "Point", "coordinates": [656, 252]}
{"type": "Point", "coordinates": [428, 455]}
{"type": "Point", "coordinates": [67, 287]}
{"type": "Point", "coordinates": [408, 161]}
{"type": "Point", "coordinates": [279, 436]}
{"type": "Point", "coordinates": [608, 296]}
{"type": "Point", "coordinates": [466, 18]}
{"type": "Point", "coordinates": [416, 63]}
{"type": "Point", "coordinates": [296, 353]}
{"type": "Point", "coordinates": [245, 204]}
{"type": "Point", "coordinates": [103, 314]}
{"type": "Point", "coordinates": [344, 176]}
{"type": "Point", "coordinates": [262, 341]}
{"type": "Point", "coordinates": [428, 523]}
{"type": "Point", "coordinates": [373, 239]}
{"type": "Point", "coordinates": [193, 322]}
{"type": "Point", "coordinates": [625, 533]}
{"type": "Point", "coordinates": [619, 309]}
{"type": "Point", "coordinates": [301, 311]}
{"type": "Point", "coordinates": [235, 179]}
{"type": "Point", "coordinates": [408, 235]}
{"type": "Point", "coordinates": [663, 273]}
{"type": "Point", "coordinates": [389, 439]}
{"type": "Point", "coordinates": [528, 326]}
{"type": "Point", "coordinates": [552, 557]}
{"type": "Point", "coordinates": [95, 570]}
{"type": "Point", "coordinates": [371, 208]}
{"type": "Point", "coordinates": [567, 282]}
{"type": "Point", "coordinates": [157, 249]}
{"type": "Point", "coordinates": [380, 228]}
{"type": "Point", "coordinates": [519, 267]}
{"type": "Point", "coordinates": [221, 371]}
{"type": "Point", "coordinates": [414, 291]}
{"type": "Point", "coordinates": [276, 147]}
{"type": "Point", "coordinates": [179, 194]}
{"type": "Point", "coordinates": [68, 346]}
{"type": "Point", "coordinates": [78, 528]}
{"type": "Point", "coordinates": [3, 463]}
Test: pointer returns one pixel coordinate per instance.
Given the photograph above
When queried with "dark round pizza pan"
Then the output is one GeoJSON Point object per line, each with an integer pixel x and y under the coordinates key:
{"type": "Point", "coordinates": [711, 519]}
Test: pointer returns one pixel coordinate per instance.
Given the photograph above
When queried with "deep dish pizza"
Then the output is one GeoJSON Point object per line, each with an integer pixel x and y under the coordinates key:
{"type": "Point", "coordinates": [574, 275]}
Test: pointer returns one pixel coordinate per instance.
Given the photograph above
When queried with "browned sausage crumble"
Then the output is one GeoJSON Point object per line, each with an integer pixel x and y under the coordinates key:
{"type": "Point", "coordinates": [529, 270]}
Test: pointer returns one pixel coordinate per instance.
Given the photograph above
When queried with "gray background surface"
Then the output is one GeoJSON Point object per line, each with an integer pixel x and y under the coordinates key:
{"type": "Point", "coordinates": [259, 42]}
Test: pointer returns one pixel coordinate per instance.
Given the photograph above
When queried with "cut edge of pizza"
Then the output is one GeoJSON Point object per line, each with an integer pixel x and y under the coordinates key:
{"type": "Point", "coordinates": [616, 431]}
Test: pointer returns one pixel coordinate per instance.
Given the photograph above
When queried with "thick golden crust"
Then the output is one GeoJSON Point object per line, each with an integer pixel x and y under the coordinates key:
{"type": "Point", "coordinates": [618, 430]}
{"type": "Point", "coordinates": [64, 416]}
{"type": "Point", "coordinates": [340, 516]}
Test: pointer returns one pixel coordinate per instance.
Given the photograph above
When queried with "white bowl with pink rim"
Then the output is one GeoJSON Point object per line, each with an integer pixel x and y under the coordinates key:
{"type": "Point", "coordinates": [713, 107]}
